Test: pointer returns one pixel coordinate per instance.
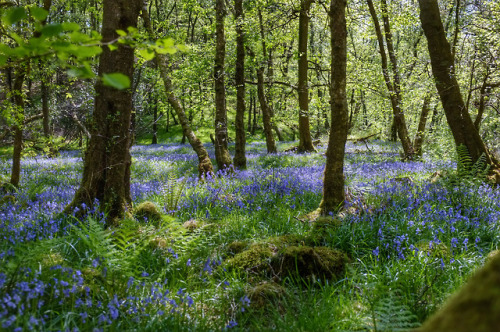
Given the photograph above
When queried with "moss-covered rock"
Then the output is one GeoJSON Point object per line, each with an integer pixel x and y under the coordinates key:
{"type": "Point", "coordinates": [237, 246]}
{"type": "Point", "coordinates": [266, 294]}
{"type": "Point", "coordinates": [287, 240]}
{"type": "Point", "coordinates": [147, 211]}
{"type": "Point", "coordinates": [254, 259]}
{"type": "Point", "coordinates": [306, 262]}
{"type": "Point", "coordinates": [491, 255]}
{"type": "Point", "coordinates": [191, 225]}
{"type": "Point", "coordinates": [475, 307]}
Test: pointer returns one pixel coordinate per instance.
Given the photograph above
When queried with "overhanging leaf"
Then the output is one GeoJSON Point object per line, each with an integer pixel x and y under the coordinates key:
{"type": "Point", "coordinates": [116, 80]}
{"type": "Point", "coordinates": [147, 54]}
{"type": "Point", "coordinates": [51, 30]}
{"type": "Point", "coordinates": [38, 13]}
{"type": "Point", "coordinates": [14, 15]}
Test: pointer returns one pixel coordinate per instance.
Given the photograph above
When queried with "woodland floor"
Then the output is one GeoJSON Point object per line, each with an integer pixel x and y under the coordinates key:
{"type": "Point", "coordinates": [238, 251]}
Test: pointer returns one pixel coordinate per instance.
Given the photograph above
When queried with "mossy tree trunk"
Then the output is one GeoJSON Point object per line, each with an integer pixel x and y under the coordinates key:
{"type": "Point", "coordinates": [333, 181]}
{"type": "Point", "coordinates": [106, 171]}
{"type": "Point", "coordinates": [240, 160]}
{"type": "Point", "coordinates": [205, 166]}
{"type": "Point", "coordinates": [221, 150]}
{"type": "Point", "coordinates": [442, 61]}
{"type": "Point", "coordinates": [305, 140]}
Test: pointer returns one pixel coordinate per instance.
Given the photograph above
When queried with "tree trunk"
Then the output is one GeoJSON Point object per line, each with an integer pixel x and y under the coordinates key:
{"type": "Point", "coordinates": [155, 118]}
{"type": "Point", "coordinates": [106, 170]}
{"type": "Point", "coordinates": [45, 107]}
{"type": "Point", "coordinates": [221, 151]}
{"type": "Point", "coordinates": [266, 112]}
{"type": "Point", "coordinates": [17, 91]}
{"type": "Point", "coordinates": [419, 137]}
{"type": "Point", "coordinates": [461, 125]}
{"type": "Point", "coordinates": [240, 160]}
{"type": "Point", "coordinates": [305, 140]}
{"type": "Point", "coordinates": [204, 163]}
{"type": "Point", "coordinates": [333, 182]}
{"type": "Point", "coordinates": [392, 87]}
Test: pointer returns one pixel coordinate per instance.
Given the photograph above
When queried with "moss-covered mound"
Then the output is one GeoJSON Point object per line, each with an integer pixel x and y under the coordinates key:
{"type": "Point", "coordinates": [255, 258]}
{"type": "Point", "coordinates": [306, 262]}
{"type": "Point", "coordinates": [237, 247]}
{"type": "Point", "coordinates": [147, 211]}
{"type": "Point", "coordinates": [266, 294]}
{"type": "Point", "coordinates": [475, 307]}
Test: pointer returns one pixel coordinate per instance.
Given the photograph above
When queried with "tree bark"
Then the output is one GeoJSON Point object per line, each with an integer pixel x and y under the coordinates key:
{"type": "Point", "coordinates": [205, 166]}
{"type": "Point", "coordinates": [17, 92]}
{"type": "Point", "coordinates": [392, 87]}
{"type": "Point", "coordinates": [305, 140]}
{"type": "Point", "coordinates": [461, 125]}
{"type": "Point", "coordinates": [419, 137]}
{"type": "Point", "coordinates": [45, 107]}
{"type": "Point", "coordinates": [240, 160]}
{"type": "Point", "coordinates": [267, 113]}
{"type": "Point", "coordinates": [333, 182]}
{"type": "Point", "coordinates": [221, 151]}
{"type": "Point", "coordinates": [106, 171]}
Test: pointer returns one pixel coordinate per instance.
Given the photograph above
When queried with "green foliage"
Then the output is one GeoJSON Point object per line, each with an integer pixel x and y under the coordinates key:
{"type": "Point", "coordinates": [390, 314]}
{"type": "Point", "coordinates": [172, 191]}
{"type": "Point", "coordinates": [116, 80]}
{"type": "Point", "coordinates": [466, 169]}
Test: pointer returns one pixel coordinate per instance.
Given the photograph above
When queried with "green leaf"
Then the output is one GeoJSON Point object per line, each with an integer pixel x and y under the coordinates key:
{"type": "Point", "coordinates": [147, 54]}
{"type": "Point", "coordinates": [86, 51]}
{"type": "Point", "coordinates": [38, 13]}
{"type": "Point", "coordinates": [121, 33]}
{"type": "Point", "coordinates": [71, 26]}
{"type": "Point", "coordinates": [112, 47]}
{"type": "Point", "coordinates": [14, 15]}
{"type": "Point", "coordinates": [116, 80]}
{"type": "Point", "coordinates": [3, 60]}
{"type": "Point", "coordinates": [51, 30]}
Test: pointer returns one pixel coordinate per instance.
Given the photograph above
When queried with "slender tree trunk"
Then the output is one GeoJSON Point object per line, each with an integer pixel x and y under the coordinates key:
{"type": "Point", "coordinates": [240, 159]}
{"type": "Point", "coordinates": [45, 107]}
{"type": "Point", "coordinates": [424, 114]}
{"type": "Point", "coordinates": [204, 163]}
{"type": "Point", "coordinates": [266, 112]}
{"type": "Point", "coordinates": [18, 97]}
{"type": "Point", "coordinates": [305, 140]}
{"type": "Point", "coordinates": [461, 125]}
{"type": "Point", "coordinates": [221, 151]}
{"type": "Point", "coordinates": [106, 171]}
{"type": "Point", "coordinates": [392, 87]}
{"type": "Point", "coordinates": [155, 119]}
{"type": "Point", "coordinates": [333, 182]}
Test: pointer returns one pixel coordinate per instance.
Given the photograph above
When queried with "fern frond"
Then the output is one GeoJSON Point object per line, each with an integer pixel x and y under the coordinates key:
{"type": "Point", "coordinates": [464, 161]}
{"type": "Point", "coordinates": [172, 190]}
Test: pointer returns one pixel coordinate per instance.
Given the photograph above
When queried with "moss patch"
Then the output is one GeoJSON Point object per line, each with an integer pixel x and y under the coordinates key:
{"type": "Point", "coordinates": [237, 247]}
{"type": "Point", "coordinates": [307, 262]}
{"type": "Point", "coordinates": [254, 259]}
{"type": "Point", "coordinates": [266, 294]}
{"type": "Point", "coordinates": [475, 307]}
{"type": "Point", "coordinates": [147, 211]}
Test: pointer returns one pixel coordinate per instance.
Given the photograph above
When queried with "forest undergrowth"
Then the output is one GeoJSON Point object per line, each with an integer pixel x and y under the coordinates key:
{"type": "Point", "coordinates": [242, 251]}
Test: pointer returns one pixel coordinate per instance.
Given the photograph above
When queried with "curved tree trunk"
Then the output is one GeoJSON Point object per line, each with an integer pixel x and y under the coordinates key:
{"type": "Point", "coordinates": [419, 137]}
{"type": "Point", "coordinates": [461, 125]}
{"type": "Point", "coordinates": [221, 151]}
{"type": "Point", "coordinates": [333, 182]}
{"type": "Point", "coordinates": [205, 166]}
{"type": "Point", "coordinates": [106, 171]}
{"type": "Point", "coordinates": [393, 87]}
{"type": "Point", "coordinates": [240, 159]}
{"type": "Point", "coordinates": [305, 140]}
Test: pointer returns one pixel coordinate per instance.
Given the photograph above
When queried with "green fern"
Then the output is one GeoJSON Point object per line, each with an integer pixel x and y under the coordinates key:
{"type": "Point", "coordinates": [466, 170]}
{"type": "Point", "coordinates": [389, 314]}
{"type": "Point", "coordinates": [464, 161]}
{"type": "Point", "coordinates": [172, 191]}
